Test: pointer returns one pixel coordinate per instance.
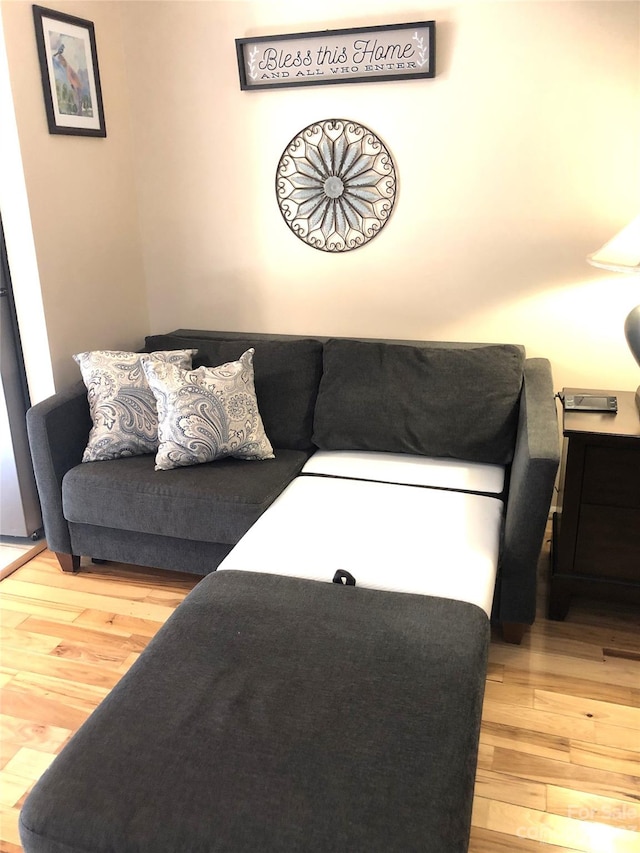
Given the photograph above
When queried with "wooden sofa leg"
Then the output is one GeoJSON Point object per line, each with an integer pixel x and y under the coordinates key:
{"type": "Point", "coordinates": [68, 562]}
{"type": "Point", "coordinates": [513, 632]}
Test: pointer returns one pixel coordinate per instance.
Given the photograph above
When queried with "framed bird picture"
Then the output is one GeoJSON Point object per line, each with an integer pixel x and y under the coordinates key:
{"type": "Point", "coordinates": [70, 76]}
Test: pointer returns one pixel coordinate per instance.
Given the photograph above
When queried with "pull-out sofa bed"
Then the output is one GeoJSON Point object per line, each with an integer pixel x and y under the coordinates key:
{"type": "Point", "coordinates": [276, 710]}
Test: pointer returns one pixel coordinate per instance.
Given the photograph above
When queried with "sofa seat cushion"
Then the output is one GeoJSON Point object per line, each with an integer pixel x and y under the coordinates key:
{"type": "Point", "coordinates": [214, 502]}
{"type": "Point", "coordinates": [459, 402]}
{"type": "Point", "coordinates": [389, 537]}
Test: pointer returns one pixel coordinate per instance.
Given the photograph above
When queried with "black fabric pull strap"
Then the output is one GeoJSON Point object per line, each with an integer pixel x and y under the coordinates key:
{"type": "Point", "coordinates": [345, 578]}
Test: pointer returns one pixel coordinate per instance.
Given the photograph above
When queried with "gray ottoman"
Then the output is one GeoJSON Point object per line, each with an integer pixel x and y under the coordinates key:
{"type": "Point", "coordinates": [272, 714]}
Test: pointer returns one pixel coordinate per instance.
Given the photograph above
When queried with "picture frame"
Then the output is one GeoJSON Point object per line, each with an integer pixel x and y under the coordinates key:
{"type": "Point", "coordinates": [70, 75]}
{"type": "Point", "coordinates": [351, 55]}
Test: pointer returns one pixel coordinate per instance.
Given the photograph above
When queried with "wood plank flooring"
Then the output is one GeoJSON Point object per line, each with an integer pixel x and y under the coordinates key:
{"type": "Point", "coordinates": [559, 760]}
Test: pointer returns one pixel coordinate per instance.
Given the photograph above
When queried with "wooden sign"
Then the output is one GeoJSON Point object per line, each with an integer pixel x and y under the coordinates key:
{"type": "Point", "coordinates": [365, 55]}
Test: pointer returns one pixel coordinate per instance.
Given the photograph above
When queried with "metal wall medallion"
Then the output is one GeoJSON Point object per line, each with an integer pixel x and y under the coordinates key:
{"type": "Point", "coordinates": [336, 185]}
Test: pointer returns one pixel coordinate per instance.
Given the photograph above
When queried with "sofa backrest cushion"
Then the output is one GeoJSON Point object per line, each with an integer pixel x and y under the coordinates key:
{"type": "Point", "coordinates": [287, 376]}
{"type": "Point", "coordinates": [433, 401]}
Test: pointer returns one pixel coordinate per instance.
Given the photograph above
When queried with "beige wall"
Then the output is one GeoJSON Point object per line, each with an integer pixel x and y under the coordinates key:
{"type": "Point", "coordinates": [82, 199]}
{"type": "Point", "coordinates": [521, 157]}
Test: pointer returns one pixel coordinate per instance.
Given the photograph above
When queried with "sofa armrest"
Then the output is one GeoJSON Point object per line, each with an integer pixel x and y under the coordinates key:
{"type": "Point", "coordinates": [531, 484]}
{"type": "Point", "coordinates": [58, 430]}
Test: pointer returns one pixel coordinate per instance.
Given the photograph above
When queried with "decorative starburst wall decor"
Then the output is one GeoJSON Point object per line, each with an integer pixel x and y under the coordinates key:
{"type": "Point", "coordinates": [336, 185]}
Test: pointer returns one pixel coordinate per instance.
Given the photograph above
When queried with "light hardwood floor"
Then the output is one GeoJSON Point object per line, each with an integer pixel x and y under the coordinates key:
{"type": "Point", "coordinates": [559, 761]}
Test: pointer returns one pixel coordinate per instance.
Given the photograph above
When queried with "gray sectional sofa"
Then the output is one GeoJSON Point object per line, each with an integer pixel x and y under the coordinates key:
{"type": "Point", "coordinates": [484, 403]}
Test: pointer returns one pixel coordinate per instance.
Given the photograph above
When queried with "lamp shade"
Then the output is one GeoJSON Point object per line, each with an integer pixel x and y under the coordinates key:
{"type": "Point", "coordinates": [622, 252]}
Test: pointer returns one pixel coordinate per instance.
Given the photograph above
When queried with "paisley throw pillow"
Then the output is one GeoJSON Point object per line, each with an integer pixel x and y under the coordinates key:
{"type": "Point", "coordinates": [206, 414]}
{"type": "Point", "coordinates": [122, 406]}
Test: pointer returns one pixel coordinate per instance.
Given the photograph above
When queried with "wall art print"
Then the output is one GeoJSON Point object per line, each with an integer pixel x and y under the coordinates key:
{"type": "Point", "coordinates": [336, 185]}
{"type": "Point", "coordinates": [353, 55]}
{"type": "Point", "coordinates": [70, 76]}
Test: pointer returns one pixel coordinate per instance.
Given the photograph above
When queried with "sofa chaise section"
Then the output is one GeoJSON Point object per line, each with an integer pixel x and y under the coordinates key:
{"type": "Point", "coordinates": [278, 715]}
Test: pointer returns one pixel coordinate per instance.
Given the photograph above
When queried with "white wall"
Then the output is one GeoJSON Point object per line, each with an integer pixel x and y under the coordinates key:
{"type": "Point", "coordinates": [516, 161]}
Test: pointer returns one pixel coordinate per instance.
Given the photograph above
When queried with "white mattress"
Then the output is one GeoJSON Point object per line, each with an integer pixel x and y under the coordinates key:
{"type": "Point", "coordinates": [405, 468]}
{"type": "Point", "coordinates": [391, 537]}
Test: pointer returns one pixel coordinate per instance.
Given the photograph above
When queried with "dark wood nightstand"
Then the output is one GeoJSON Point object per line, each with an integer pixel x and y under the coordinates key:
{"type": "Point", "coordinates": [596, 530]}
